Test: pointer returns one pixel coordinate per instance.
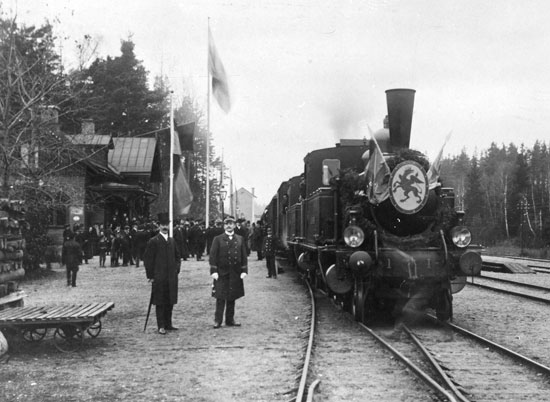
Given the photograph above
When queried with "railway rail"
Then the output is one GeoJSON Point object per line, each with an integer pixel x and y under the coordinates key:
{"type": "Point", "coordinates": [453, 363]}
{"type": "Point", "coordinates": [467, 365]}
{"type": "Point", "coordinates": [337, 367]}
{"type": "Point", "coordinates": [520, 289]}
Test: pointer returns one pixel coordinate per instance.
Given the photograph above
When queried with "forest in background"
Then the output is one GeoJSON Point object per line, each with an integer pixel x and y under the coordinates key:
{"type": "Point", "coordinates": [505, 193]}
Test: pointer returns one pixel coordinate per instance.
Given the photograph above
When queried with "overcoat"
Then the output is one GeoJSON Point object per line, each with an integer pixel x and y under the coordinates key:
{"type": "Point", "coordinates": [71, 254]}
{"type": "Point", "coordinates": [162, 264]}
{"type": "Point", "coordinates": [229, 259]}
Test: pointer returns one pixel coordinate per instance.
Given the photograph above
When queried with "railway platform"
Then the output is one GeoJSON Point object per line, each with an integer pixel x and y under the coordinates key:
{"type": "Point", "coordinates": [259, 361]}
{"type": "Point", "coordinates": [505, 264]}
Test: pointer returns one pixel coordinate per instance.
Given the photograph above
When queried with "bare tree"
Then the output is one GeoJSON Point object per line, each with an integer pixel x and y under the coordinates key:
{"type": "Point", "coordinates": [36, 158]}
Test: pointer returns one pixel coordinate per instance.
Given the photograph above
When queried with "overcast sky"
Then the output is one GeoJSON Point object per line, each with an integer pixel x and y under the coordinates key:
{"type": "Point", "coordinates": [305, 73]}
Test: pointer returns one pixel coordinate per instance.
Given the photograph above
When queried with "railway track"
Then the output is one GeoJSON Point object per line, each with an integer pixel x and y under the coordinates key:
{"type": "Point", "coordinates": [520, 289]}
{"type": "Point", "coordinates": [346, 365]}
{"type": "Point", "coordinates": [452, 363]}
{"type": "Point", "coordinates": [465, 367]}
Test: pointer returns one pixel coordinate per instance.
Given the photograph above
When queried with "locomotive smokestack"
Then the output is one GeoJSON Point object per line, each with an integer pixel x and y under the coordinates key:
{"type": "Point", "coordinates": [400, 108]}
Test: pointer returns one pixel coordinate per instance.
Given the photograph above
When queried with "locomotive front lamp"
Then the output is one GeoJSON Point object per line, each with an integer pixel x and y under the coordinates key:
{"type": "Point", "coordinates": [461, 236]}
{"type": "Point", "coordinates": [354, 236]}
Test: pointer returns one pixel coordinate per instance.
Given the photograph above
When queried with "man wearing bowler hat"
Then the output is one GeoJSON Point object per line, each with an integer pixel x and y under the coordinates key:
{"type": "Point", "coordinates": [162, 266]}
{"type": "Point", "coordinates": [228, 268]}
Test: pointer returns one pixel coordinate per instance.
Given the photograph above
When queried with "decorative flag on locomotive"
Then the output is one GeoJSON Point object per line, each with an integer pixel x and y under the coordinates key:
{"type": "Point", "coordinates": [372, 224]}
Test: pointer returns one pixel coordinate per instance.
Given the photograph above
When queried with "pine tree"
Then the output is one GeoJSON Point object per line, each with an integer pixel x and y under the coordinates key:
{"type": "Point", "coordinates": [119, 99]}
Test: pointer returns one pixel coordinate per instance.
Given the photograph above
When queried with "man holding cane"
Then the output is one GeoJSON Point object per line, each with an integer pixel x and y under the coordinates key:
{"type": "Point", "coordinates": [228, 267]}
{"type": "Point", "coordinates": [162, 266]}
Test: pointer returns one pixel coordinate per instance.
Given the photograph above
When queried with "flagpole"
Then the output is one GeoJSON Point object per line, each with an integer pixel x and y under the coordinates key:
{"type": "Point", "coordinates": [171, 196]}
{"type": "Point", "coordinates": [207, 218]}
{"type": "Point", "coordinates": [221, 188]}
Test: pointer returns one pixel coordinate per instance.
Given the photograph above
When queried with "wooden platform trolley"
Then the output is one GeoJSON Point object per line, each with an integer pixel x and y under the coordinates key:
{"type": "Point", "coordinates": [68, 322]}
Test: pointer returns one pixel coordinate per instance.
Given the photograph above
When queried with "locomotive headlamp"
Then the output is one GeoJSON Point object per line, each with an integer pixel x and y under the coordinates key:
{"type": "Point", "coordinates": [461, 236]}
{"type": "Point", "coordinates": [354, 236]}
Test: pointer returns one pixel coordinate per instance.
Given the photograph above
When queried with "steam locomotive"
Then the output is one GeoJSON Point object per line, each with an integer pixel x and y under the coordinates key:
{"type": "Point", "coordinates": [371, 223]}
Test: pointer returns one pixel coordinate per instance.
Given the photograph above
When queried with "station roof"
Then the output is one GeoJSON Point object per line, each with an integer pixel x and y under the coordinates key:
{"type": "Point", "coordinates": [132, 154]}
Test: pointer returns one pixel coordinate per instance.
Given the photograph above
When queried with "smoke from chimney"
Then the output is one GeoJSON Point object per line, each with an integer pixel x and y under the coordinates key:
{"type": "Point", "coordinates": [345, 109]}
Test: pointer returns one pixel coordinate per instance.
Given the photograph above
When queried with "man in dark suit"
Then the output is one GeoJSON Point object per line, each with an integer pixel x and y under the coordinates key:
{"type": "Point", "coordinates": [213, 231]}
{"type": "Point", "coordinates": [71, 257]}
{"type": "Point", "coordinates": [228, 267]}
{"type": "Point", "coordinates": [162, 266]}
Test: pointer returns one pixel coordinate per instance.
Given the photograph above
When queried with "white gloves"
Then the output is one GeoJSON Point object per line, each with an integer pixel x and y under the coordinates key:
{"type": "Point", "coordinates": [215, 275]}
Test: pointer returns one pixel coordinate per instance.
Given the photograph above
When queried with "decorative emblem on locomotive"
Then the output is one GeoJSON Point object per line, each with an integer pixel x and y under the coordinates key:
{"type": "Point", "coordinates": [408, 187]}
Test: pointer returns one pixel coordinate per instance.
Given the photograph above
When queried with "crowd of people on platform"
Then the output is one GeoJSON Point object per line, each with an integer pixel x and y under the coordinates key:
{"type": "Point", "coordinates": [123, 242]}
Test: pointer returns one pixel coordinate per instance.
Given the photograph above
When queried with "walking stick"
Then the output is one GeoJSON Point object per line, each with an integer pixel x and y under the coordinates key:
{"type": "Point", "coordinates": [149, 309]}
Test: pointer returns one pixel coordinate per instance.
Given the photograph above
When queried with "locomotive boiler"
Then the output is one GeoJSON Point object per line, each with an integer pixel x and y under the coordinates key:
{"type": "Point", "coordinates": [372, 224]}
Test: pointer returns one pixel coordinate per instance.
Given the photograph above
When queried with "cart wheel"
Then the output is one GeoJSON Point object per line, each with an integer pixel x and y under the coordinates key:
{"type": "Point", "coordinates": [68, 338]}
{"type": "Point", "coordinates": [94, 329]}
{"type": "Point", "coordinates": [35, 334]}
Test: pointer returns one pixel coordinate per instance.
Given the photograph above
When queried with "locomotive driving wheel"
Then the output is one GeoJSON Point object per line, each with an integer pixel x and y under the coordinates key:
{"type": "Point", "coordinates": [444, 306]}
{"type": "Point", "coordinates": [363, 305]}
{"type": "Point", "coordinates": [359, 298]}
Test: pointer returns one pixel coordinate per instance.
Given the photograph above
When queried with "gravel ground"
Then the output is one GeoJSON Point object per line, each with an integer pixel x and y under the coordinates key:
{"type": "Point", "coordinates": [256, 362]}
{"type": "Point", "coordinates": [520, 324]}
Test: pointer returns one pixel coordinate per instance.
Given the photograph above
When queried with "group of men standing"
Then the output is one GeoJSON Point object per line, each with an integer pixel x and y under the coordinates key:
{"type": "Point", "coordinates": [228, 267]}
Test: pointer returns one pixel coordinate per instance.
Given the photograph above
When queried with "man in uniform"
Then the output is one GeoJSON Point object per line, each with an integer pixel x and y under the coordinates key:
{"type": "Point", "coordinates": [269, 248]}
{"type": "Point", "coordinates": [228, 267]}
{"type": "Point", "coordinates": [162, 266]}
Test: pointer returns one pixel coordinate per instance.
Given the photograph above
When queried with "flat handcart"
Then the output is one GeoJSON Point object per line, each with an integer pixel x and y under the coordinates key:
{"type": "Point", "coordinates": [68, 322]}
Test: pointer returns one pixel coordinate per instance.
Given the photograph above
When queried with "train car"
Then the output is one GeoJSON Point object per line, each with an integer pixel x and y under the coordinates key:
{"type": "Point", "coordinates": [371, 223]}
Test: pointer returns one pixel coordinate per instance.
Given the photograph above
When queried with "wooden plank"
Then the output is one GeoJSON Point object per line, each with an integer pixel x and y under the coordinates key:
{"type": "Point", "coordinates": [73, 311]}
{"type": "Point", "coordinates": [102, 308]}
{"type": "Point", "coordinates": [35, 311]}
{"type": "Point", "coordinates": [41, 312]}
{"type": "Point", "coordinates": [505, 264]}
{"type": "Point", "coordinates": [16, 311]}
{"type": "Point", "coordinates": [85, 312]}
{"type": "Point", "coordinates": [58, 312]}
{"type": "Point", "coordinates": [519, 268]}
{"type": "Point", "coordinates": [50, 311]}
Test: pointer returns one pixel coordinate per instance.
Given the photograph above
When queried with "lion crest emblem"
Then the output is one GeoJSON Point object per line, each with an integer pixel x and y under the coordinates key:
{"type": "Point", "coordinates": [408, 187]}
